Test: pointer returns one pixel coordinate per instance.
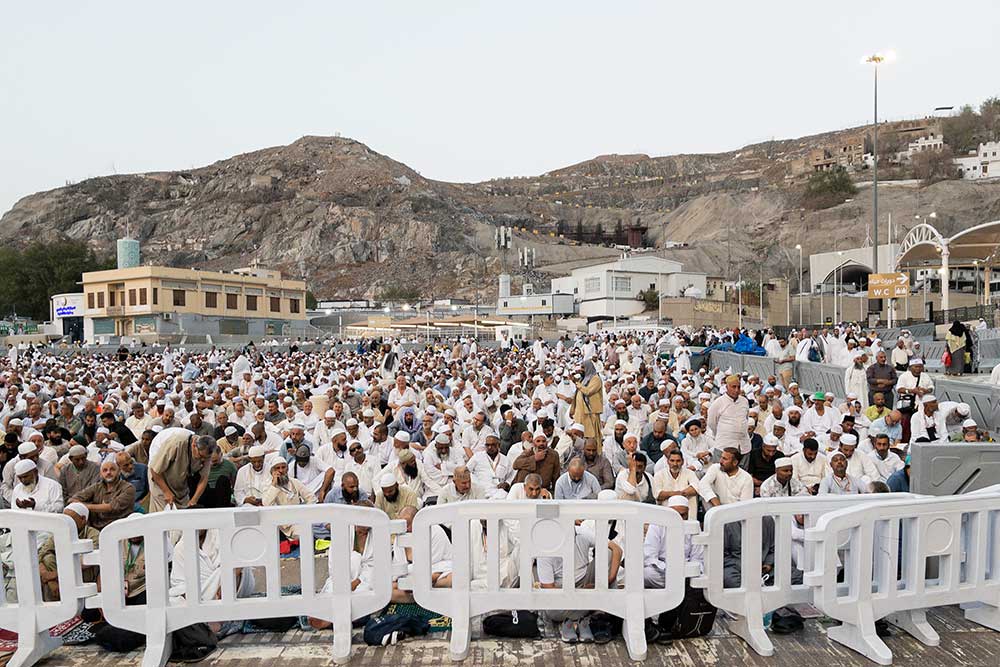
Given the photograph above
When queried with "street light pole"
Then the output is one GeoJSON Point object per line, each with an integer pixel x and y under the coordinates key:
{"type": "Point", "coordinates": [876, 59]}
{"type": "Point", "coordinates": [799, 248]}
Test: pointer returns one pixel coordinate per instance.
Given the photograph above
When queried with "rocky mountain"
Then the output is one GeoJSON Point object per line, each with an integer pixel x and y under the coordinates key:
{"type": "Point", "coordinates": [356, 223]}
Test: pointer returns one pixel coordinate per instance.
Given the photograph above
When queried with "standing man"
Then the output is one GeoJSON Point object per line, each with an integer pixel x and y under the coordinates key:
{"type": "Point", "coordinates": [181, 456]}
{"type": "Point", "coordinates": [727, 417]}
{"type": "Point", "coordinates": [881, 379]}
{"type": "Point", "coordinates": [588, 402]}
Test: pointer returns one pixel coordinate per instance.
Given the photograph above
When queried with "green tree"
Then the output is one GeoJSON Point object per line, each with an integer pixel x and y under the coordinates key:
{"type": "Point", "coordinates": [310, 301]}
{"type": "Point", "coordinates": [964, 130]}
{"type": "Point", "coordinates": [828, 188]}
{"type": "Point", "coordinates": [933, 166]}
{"type": "Point", "coordinates": [30, 277]}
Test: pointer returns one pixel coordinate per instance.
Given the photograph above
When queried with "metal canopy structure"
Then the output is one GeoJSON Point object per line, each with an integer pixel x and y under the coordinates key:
{"type": "Point", "coordinates": [924, 246]}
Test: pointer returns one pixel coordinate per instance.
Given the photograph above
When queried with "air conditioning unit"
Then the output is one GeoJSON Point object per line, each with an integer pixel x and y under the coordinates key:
{"type": "Point", "coordinates": [168, 317]}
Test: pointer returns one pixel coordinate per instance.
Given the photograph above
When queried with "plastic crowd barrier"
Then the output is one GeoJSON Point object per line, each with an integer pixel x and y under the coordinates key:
{"type": "Point", "coordinates": [752, 599]}
{"type": "Point", "coordinates": [547, 529]}
{"type": "Point", "coordinates": [902, 558]}
{"type": "Point", "coordinates": [246, 538]}
{"type": "Point", "coordinates": [950, 469]}
{"type": "Point", "coordinates": [30, 616]}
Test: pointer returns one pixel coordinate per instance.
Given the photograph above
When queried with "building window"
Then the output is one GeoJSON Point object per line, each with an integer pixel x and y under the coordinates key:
{"type": "Point", "coordinates": [100, 299]}
{"type": "Point", "coordinates": [504, 304]}
{"type": "Point", "coordinates": [543, 302]}
{"type": "Point", "coordinates": [251, 302]}
{"type": "Point", "coordinates": [275, 304]}
{"type": "Point", "coordinates": [180, 298]}
{"type": "Point", "coordinates": [156, 296]}
{"type": "Point", "coordinates": [232, 301]}
{"type": "Point", "coordinates": [622, 284]}
{"type": "Point", "coordinates": [293, 305]}
{"type": "Point", "coordinates": [111, 298]}
{"type": "Point", "coordinates": [131, 297]}
{"type": "Point", "coordinates": [142, 296]}
{"type": "Point", "coordinates": [591, 285]}
{"type": "Point", "coordinates": [211, 300]}
{"type": "Point", "coordinates": [90, 300]}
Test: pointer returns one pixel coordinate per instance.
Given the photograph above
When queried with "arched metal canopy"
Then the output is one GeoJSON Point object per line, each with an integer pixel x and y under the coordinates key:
{"type": "Point", "coordinates": [923, 246]}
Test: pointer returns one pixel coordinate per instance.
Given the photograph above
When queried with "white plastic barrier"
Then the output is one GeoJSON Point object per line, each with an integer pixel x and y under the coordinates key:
{"type": "Point", "coordinates": [956, 540]}
{"type": "Point", "coordinates": [752, 599]}
{"type": "Point", "coordinates": [547, 528]}
{"type": "Point", "coordinates": [30, 616]}
{"type": "Point", "coordinates": [247, 538]}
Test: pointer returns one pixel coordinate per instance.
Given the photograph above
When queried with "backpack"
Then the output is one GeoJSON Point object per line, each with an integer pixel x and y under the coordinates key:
{"type": "Point", "coordinates": [193, 643]}
{"type": "Point", "coordinates": [393, 627]}
{"type": "Point", "coordinates": [693, 618]}
{"type": "Point", "coordinates": [512, 624]}
{"type": "Point", "coordinates": [786, 621]}
{"type": "Point", "coordinates": [814, 354]}
{"type": "Point", "coordinates": [118, 640]}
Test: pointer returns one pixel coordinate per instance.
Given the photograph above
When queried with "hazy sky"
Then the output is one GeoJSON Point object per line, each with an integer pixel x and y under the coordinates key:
{"type": "Point", "coordinates": [460, 91]}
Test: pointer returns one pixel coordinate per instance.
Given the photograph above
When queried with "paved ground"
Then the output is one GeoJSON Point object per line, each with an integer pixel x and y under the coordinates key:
{"type": "Point", "coordinates": [962, 643]}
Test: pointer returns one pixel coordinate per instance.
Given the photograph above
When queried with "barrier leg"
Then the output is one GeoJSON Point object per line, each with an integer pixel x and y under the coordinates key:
{"type": "Point", "coordinates": [634, 628]}
{"type": "Point", "coordinates": [751, 627]}
{"type": "Point", "coordinates": [985, 614]}
{"type": "Point", "coordinates": [159, 642]}
{"type": "Point", "coordinates": [341, 634]}
{"type": "Point", "coordinates": [915, 623]}
{"type": "Point", "coordinates": [862, 637]}
{"type": "Point", "coordinates": [33, 643]}
{"type": "Point", "coordinates": [460, 630]}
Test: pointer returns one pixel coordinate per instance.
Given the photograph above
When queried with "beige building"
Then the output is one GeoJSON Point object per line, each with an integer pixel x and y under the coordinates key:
{"type": "Point", "coordinates": [162, 300]}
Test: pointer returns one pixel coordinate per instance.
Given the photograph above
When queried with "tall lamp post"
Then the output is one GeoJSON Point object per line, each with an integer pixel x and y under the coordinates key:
{"type": "Point", "coordinates": [798, 246]}
{"type": "Point", "coordinates": [875, 60]}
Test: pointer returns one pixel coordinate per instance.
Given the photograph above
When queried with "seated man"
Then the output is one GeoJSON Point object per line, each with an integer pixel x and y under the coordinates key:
{"type": "Point", "coordinates": [576, 483]}
{"type": "Point", "coordinates": [285, 490]}
{"type": "Point", "coordinates": [137, 475]}
{"type": "Point", "coordinates": [315, 474]}
{"type": "Point", "coordinates": [33, 491]}
{"type": "Point", "coordinates": [110, 499]}
{"type": "Point", "coordinates": [253, 479]}
{"type": "Point", "coordinates": [348, 492]}
{"type": "Point", "coordinates": [654, 547]}
{"type": "Point", "coordinates": [530, 489]}
{"type": "Point", "coordinates": [575, 626]}
{"type": "Point", "coordinates": [838, 482]}
{"type": "Point", "coordinates": [461, 488]}
{"type": "Point", "coordinates": [221, 478]}
{"type": "Point", "coordinates": [393, 497]}
{"type": "Point", "coordinates": [47, 552]}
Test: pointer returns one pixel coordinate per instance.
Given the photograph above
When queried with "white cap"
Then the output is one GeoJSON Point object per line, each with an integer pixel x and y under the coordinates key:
{"type": "Point", "coordinates": [401, 436]}
{"type": "Point", "coordinates": [231, 430]}
{"type": "Point", "coordinates": [387, 480]}
{"type": "Point", "coordinates": [79, 509]}
{"type": "Point", "coordinates": [607, 494]}
{"type": "Point", "coordinates": [26, 448]}
{"type": "Point", "coordinates": [352, 422]}
{"type": "Point", "coordinates": [15, 422]}
{"type": "Point", "coordinates": [770, 440]}
{"type": "Point", "coordinates": [368, 413]}
{"type": "Point", "coordinates": [329, 414]}
{"type": "Point", "coordinates": [576, 427]}
{"type": "Point", "coordinates": [77, 450]}
{"type": "Point", "coordinates": [970, 423]}
{"type": "Point", "coordinates": [101, 429]}
{"type": "Point", "coordinates": [930, 398]}
{"type": "Point", "coordinates": [677, 501]}
{"type": "Point", "coordinates": [256, 451]}
{"type": "Point", "coordinates": [24, 466]}
{"type": "Point", "coordinates": [849, 439]}
{"type": "Point", "coordinates": [783, 462]}
{"type": "Point", "coordinates": [963, 409]}
{"type": "Point", "coordinates": [837, 428]}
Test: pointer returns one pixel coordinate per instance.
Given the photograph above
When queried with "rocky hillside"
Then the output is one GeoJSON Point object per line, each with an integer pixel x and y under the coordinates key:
{"type": "Point", "coordinates": [356, 223]}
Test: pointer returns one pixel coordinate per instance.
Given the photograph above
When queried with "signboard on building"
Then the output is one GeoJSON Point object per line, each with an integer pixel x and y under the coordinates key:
{"type": "Point", "coordinates": [888, 286]}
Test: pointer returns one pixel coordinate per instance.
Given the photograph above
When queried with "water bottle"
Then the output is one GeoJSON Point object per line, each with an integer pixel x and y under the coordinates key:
{"type": "Point", "coordinates": [767, 619]}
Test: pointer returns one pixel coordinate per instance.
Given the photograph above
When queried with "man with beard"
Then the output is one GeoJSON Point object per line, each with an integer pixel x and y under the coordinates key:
{"type": "Point", "coordinates": [838, 482]}
{"type": "Point", "coordinates": [108, 500]}
{"type": "Point", "coordinates": [27, 451]}
{"type": "Point", "coordinates": [180, 456]}
{"type": "Point", "coordinates": [461, 488]}
{"type": "Point", "coordinates": [56, 438]}
{"type": "Point", "coordinates": [120, 432]}
{"type": "Point", "coordinates": [725, 482]}
{"type": "Point", "coordinates": [614, 445]}
{"type": "Point", "coordinates": [348, 492]}
{"type": "Point", "coordinates": [576, 483]}
{"type": "Point", "coordinates": [392, 497]}
{"type": "Point", "coordinates": [314, 474]}
{"type": "Point", "coordinates": [365, 467]}
{"type": "Point", "coordinates": [597, 465]}
{"type": "Point", "coordinates": [510, 430]}
{"type": "Point", "coordinates": [78, 473]}
{"type": "Point", "coordinates": [676, 480]}
{"type": "Point", "coordinates": [140, 450]}
{"type": "Point", "coordinates": [760, 462]}
{"type": "Point", "coordinates": [285, 490]}
{"type": "Point", "coordinates": [252, 480]}
{"type": "Point", "coordinates": [441, 459]}
{"type": "Point", "coordinates": [794, 431]}
{"type": "Point", "coordinates": [135, 474]}
{"type": "Point", "coordinates": [490, 469]}
{"type": "Point", "coordinates": [33, 491]}
{"type": "Point", "coordinates": [222, 423]}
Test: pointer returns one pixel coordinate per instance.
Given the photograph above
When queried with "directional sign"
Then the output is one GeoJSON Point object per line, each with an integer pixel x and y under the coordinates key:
{"type": "Point", "coordinates": [888, 286]}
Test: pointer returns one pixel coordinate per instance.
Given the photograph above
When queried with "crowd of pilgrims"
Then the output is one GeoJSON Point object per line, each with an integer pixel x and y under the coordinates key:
{"type": "Point", "coordinates": [100, 437]}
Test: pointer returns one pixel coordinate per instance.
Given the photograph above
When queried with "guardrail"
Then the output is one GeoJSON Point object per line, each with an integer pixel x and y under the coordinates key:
{"type": "Point", "coordinates": [548, 529]}
{"type": "Point", "coordinates": [247, 538]}
{"type": "Point", "coordinates": [952, 469]}
{"type": "Point", "coordinates": [891, 548]}
{"type": "Point", "coordinates": [749, 601]}
{"type": "Point", "coordinates": [30, 616]}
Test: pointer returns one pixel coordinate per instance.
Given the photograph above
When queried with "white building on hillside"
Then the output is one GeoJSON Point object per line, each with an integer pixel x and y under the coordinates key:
{"type": "Point", "coordinates": [611, 289]}
{"type": "Point", "coordinates": [935, 142]}
{"type": "Point", "coordinates": [982, 163]}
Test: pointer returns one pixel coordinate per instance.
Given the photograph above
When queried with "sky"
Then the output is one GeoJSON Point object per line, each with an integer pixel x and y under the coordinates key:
{"type": "Point", "coordinates": [460, 91]}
